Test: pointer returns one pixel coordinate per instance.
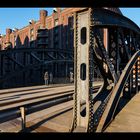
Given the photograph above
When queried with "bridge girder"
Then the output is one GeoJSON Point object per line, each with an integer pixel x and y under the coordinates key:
{"type": "Point", "coordinates": [19, 60]}
{"type": "Point", "coordinates": [93, 112]}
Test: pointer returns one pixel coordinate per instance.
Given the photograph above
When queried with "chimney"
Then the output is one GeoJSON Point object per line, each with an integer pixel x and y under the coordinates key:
{"type": "Point", "coordinates": [15, 29]}
{"type": "Point", "coordinates": [43, 14]}
{"type": "Point", "coordinates": [56, 10]}
{"type": "Point", "coordinates": [31, 21]}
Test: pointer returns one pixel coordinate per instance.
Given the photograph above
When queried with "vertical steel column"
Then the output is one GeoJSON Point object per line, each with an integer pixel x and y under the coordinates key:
{"type": "Point", "coordinates": [118, 59]}
{"type": "Point", "coordinates": [136, 44]}
{"type": "Point", "coordinates": [131, 73]}
{"type": "Point", "coordinates": [138, 76]}
{"type": "Point", "coordinates": [134, 69]}
{"type": "Point", "coordinates": [106, 42]}
{"type": "Point", "coordinates": [113, 48]}
{"type": "Point", "coordinates": [127, 87]}
{"type": "Point", "coordinates": [74, 121]}
{"type": "Point", "coordinates": [127, 92]}
{"type": "Point", "coordinates": [138, 63]}
{"type": "Point", "coordinates": [82, 42]}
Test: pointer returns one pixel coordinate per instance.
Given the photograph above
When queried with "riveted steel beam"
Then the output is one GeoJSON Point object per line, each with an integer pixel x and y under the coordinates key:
{"type": "Point", "coordinates": [105, 18]}
{"type": "Point", "coordinates": [89, 53]}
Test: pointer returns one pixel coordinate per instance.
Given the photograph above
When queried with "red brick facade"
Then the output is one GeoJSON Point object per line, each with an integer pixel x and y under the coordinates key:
{"type": "Point", "coordinates": [59, 17]}
{"type": "Point", "coordinates": [22, 37]}
{"type": "Point", "coordinates": [60, 34]}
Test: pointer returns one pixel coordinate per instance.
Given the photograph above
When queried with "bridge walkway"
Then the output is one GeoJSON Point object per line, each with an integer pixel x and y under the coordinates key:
{"type": "Point", "coordinates": [57, 118]}
{"type": "Point", "coordinates": [127, 120]}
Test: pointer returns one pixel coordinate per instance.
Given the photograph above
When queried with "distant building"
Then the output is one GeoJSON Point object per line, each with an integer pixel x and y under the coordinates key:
{"type": "Point", "coordinates": [59, 25]}
{"type": "Point", "coordinates": [54, 31]}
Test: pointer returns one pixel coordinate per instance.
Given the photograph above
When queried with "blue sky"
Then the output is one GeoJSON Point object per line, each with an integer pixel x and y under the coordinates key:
{"type": "Point", "coordinates": [19, 17]}
{"type": "Point", "coordinates": [132, 13]}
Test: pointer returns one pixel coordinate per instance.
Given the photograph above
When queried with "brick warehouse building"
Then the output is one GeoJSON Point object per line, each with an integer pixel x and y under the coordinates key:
{"type": "Point", "coordinates": [60, 35]}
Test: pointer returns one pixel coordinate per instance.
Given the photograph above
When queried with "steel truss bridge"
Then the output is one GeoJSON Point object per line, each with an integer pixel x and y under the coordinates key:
{"type": "Point", "coordinates": [17, 63]}
{"type": "Point", "coordinates": [115, 58]}
{"type": "Point", "coordinates": [118, 63]}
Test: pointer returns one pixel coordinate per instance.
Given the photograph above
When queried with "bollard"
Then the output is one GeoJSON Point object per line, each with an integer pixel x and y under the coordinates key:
{"type": "Point", "coordinates": [23, 118]}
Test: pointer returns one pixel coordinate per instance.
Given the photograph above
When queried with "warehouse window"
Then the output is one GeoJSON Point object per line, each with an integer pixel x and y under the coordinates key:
{"type": "Point", "coordinates": [56, 22]}
{"type": "Point", "coordinates": [32, 31]}
{"type": "Point", "coordinates": [15, 40]}
{"type": "Point", "coordinates": [32, 38]}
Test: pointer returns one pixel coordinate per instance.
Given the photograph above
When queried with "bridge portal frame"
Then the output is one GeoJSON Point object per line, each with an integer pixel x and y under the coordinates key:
{"type": "Point", "coordinates": [89, 48]}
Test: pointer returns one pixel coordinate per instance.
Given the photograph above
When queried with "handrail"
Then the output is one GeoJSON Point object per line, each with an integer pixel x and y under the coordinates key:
{"type": "Point", "coordinates": [34, 107]}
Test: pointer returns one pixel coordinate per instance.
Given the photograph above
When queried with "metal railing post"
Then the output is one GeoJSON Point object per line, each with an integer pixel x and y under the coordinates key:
{"type": "Point", "coordinates": [23, 118]}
